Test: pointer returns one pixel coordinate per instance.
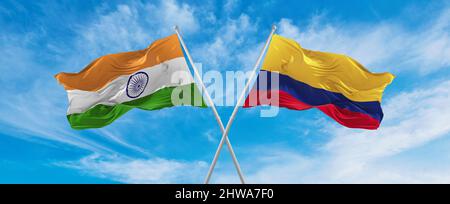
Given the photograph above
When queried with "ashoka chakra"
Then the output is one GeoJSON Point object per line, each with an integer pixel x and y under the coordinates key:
{"type": "Point", "coordinates": [136, 84]}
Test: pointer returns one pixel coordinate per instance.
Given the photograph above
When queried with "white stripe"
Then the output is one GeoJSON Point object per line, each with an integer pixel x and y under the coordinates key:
{"type": "Point", "coordinates": [174, 72]}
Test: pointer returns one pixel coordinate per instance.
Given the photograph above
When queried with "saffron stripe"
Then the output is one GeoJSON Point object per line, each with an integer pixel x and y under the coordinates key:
{"type": "Point", "coordinates": [105, 69]}
{"type": "Point", "coordinates": [172, 73]}
{"type": "Point", "coordinates": [315, 97]}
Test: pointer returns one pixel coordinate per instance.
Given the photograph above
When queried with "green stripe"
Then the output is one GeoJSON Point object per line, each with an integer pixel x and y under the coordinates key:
{"type": "Point", "coordinates": [102, 115]}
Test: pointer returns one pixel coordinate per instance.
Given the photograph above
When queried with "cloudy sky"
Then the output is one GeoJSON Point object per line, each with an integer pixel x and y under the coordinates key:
{"type": "Point", "coordinates": [410, 39]}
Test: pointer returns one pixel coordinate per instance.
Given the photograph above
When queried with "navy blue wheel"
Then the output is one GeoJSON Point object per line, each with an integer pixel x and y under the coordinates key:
{"type": "Point", "coordinates": [136, 84]}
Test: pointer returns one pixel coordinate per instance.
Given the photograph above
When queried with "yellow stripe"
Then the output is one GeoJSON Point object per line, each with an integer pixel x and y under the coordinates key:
{"type": "Point", "coordinates": [109, 67]}
{"type": "Point", "coordinates": [332, 72]}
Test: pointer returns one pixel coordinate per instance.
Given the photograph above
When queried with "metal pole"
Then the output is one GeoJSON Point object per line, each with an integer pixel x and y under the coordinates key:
{"type": "Point", "coordinates": [213, 107]}
{"type": "Point", "coordinates": [241, 98]}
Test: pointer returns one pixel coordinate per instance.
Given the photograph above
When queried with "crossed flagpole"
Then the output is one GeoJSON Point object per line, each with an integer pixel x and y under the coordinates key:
{"type": "Point", "coordinates": [226, 129]}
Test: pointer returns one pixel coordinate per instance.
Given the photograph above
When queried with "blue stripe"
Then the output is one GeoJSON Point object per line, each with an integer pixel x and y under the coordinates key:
{"type": "Point", "coordinates": [317, 97]}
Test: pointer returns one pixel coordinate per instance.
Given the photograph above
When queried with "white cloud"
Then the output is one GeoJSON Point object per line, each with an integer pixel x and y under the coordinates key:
{"type": "Point", "coordinates": [34, 104]}
{"type": "Point", "coordinates": [115, 136]}
{"type": "Point", "coordinates": [31, 109]}
{"type": "Point", "coordinates": [279, 166]}
{"type": "Point", "coordinates": [127, 170]}
{"type": "Point", "coordinates": [170, 13]}
{"type": "Point", "coordinates": [349, 157]}
{"type": "Point", "coordinates": [231, 40]}
{"type": "Point", "coordinates": [115, 31]}
{"type": "Point", "coordinates": [36, 116]}
{"type": "Point", "coordinates": [283, 166]}
{"type": "Point", "coordinates": [16, 57]}
{"type": "Point", "coordinates": [230, 5]}
{"type": "Point", "coordinates": [133, 26]}
{"type": "Point", "coordinates": [412, 119]}
{"type": "Point", "coordinates": [211, 135]}
{"type": "Point", "coordinates": [381, 46]}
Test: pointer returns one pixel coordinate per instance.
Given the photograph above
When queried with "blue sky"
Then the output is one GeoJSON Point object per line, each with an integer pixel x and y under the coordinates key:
{"type": "Point", "coordinates": [41, 38]}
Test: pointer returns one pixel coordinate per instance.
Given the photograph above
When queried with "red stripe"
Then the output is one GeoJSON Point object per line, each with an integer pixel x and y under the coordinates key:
{"type": "Point", "coordinates": [343, 116]}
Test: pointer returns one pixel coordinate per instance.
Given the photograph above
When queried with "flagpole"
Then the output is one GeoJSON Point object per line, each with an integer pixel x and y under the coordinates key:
{"type": "Point", "coordinates": [213, 107]}
{"type": "Point", "coordinates": [241, 98]}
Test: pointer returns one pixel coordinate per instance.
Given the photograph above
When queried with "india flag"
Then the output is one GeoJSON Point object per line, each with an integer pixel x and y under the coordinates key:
{"type": "Point", "coordinates": [150, 79]}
